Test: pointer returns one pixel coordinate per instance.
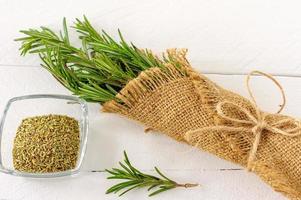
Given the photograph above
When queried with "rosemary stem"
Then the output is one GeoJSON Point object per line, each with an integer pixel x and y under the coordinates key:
{"type": "Point", "coordinates": [187, 185]}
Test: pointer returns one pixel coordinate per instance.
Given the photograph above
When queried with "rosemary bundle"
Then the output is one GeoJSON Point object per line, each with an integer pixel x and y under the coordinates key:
{"type": "Point", "coordinates": [99, 69]}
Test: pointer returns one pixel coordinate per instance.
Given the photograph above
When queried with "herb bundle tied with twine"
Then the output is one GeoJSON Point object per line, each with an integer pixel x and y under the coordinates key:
{"type": "Point", "coordinates": [167, 95]}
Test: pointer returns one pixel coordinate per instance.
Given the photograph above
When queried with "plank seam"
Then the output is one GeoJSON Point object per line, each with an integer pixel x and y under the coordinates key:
{"type": "Point", "coordinates": [288, 75]}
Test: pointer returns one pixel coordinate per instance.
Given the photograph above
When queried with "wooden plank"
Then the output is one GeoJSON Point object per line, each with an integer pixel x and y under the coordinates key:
{"type": "Point", "coordinates": [231, 37]}
{"type": "Point", "coordinates": [215, 185]}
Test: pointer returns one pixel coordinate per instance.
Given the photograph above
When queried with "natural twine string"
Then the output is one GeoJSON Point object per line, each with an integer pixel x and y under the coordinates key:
{"type": "Point", "coordinates": [257, 123]}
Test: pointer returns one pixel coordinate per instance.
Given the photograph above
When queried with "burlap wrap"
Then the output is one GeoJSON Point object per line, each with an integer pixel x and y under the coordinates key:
{"type": "Point", "coordinates": [175, 101]}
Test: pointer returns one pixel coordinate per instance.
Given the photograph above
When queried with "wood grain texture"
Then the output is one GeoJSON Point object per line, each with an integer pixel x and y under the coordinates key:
{"type": "Point", "coordinates": [215, 185]}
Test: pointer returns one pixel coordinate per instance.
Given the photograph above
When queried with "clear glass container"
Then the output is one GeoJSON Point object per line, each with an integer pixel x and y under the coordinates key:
{"type": "Point", "coordinates": [22, 107]}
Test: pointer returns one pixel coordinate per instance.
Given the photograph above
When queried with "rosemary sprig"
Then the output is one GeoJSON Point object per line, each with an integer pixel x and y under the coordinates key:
{"type": "Point", "coordinates": [137, 179]}
{"type": "Point", "coordinates": [121, 52]}
{"type": "Point", "coordinates": [98, 70]}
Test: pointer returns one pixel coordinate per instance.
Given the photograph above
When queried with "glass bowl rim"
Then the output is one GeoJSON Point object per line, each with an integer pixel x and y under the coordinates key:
{"type": "Point", "coordinates": [83, 128]}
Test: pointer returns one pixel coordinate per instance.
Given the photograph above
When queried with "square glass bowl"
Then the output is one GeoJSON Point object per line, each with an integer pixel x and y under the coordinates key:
{"type": "Point", "coordinates": [22, 107]}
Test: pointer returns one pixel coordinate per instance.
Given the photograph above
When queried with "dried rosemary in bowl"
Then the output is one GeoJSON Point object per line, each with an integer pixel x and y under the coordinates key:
{"type": "Point", "coordinates": [48, 143]}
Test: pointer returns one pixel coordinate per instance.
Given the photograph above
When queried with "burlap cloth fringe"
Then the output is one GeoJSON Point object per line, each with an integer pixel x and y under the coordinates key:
{"type": "Point", "coordinates": [180, 102]}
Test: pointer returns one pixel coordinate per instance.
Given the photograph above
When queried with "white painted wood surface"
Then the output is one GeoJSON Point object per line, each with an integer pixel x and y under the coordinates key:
{"type": "Point", "coordinates": [111, 134]}
{"type": "Point", "coordinates": [225, 37]}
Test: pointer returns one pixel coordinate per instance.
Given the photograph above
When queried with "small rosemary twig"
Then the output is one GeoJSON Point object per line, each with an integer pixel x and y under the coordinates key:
{"type": "Point", "coordinates": [136, 179]}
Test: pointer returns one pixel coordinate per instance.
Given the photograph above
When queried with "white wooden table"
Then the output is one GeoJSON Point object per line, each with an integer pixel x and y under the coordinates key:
{"type": "Point", "coordinates": [226, 39]}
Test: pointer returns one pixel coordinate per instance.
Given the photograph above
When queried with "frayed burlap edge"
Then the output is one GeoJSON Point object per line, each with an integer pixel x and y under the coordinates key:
{"type": "Point", "coordinates": [148, 81]}
{"type": "Point", "coordinates": [154, 78]}
{"type": "Point", "coordinates": [276, 180]}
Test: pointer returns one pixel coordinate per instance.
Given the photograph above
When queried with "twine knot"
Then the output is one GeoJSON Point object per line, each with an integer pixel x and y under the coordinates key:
{"type": "Point", "coordinates": [254, 122]}
{"type": "Point", "coordinates": [259, 127]}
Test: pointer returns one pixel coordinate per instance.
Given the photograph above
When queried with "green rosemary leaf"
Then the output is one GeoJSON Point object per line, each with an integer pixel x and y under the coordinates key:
{"type": "Point", "coordinates": [127, 169]}
{"type": "Point", "coordinates": [162, 175]}
{"type": "Point", "coordinates": [66, 35]}
{"type": "Point", "coordinates": [153, 186]}
{"type": "Point", "coordinates": [131, 188]}
{"type": "Point", "coordinates": [111, 172]}
{"type": "Point", "coordinates": [120, 171]}
{"type": "Point", "coordinates": [163, 189]}
{"type": "Point", "coordinates": [111, 89]}
{"type": "Point", "coordinates": [118, 177]}
{"type": "Point", "coordinates": [121, 186]}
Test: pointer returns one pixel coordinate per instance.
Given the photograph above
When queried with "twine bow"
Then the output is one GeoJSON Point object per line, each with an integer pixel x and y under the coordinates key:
{"type": "Point", "coordinates": [255, 123]}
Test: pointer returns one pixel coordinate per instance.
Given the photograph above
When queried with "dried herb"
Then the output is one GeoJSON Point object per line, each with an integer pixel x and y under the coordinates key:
{"type": "Point", "coordinates": [48, 143]}
{"type": "Point", "coordinates": [137, 179]}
